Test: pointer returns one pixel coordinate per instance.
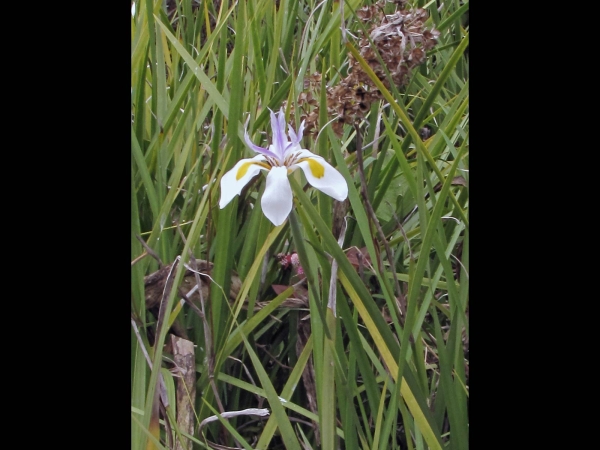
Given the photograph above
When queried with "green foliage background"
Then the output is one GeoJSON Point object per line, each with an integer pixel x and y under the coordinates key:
{"type": "Point", "coordinates": [383, 380]}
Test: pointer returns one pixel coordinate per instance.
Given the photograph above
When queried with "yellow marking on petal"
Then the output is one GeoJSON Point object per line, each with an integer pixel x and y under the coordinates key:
{"type": "Point", "coordinates": [244, 168]}
{"type": "Point", "coordinates": [316, 168]}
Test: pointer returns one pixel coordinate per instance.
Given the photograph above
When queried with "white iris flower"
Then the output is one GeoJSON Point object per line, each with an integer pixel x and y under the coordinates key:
{"type": "Point", "coordinates": [281, 158]}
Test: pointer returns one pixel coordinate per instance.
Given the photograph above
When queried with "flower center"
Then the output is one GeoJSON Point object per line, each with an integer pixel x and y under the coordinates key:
{"type": "Point", "coordinates": [290, 159]}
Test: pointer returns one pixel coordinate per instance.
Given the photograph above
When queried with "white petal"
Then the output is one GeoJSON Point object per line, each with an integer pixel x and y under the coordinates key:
{"type": "Point", "coordinates": [277, 201]}
{"type": "Point", "coordinates": [323, 176]}
{"type": "Point", "coordinates": [234, 181]}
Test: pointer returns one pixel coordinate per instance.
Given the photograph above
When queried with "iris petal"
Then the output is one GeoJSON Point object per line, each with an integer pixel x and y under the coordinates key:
{"type": "Point", "coordinates": [321, 175]}
{"type": "Point", "coordinates": [296, 138]}
{"type": "Point", "coordinates": [301, 131]}
{"type": "Point", "coordinates": [256, 148]}
{"type": "Point", "coordinates": [234, 181]}
{"type": "Point", "coordinates": [280, 140]}
{"type": "Point", "coordinates": [277, 201]}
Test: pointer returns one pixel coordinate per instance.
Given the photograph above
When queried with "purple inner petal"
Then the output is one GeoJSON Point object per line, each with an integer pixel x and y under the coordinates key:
{"type": "Point", "coordinates": [293, 136]}
{"type": "Point", "coordinates": [300, 132]}
{"type": "Point", "coordinates": [280, 141]}
{"type": "Point", "coordinates": [258, 149]}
